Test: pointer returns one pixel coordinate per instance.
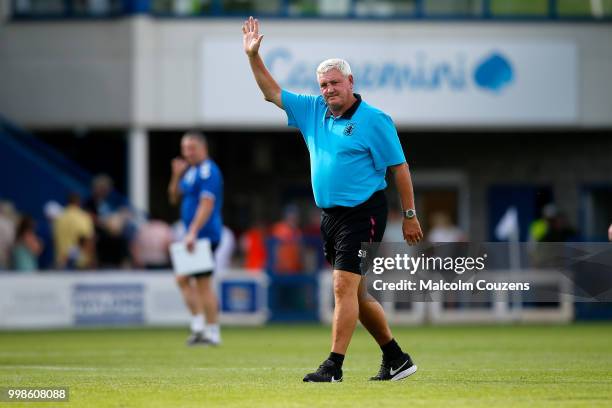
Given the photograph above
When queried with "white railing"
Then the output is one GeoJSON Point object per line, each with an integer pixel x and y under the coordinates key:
{"type": "Point", "coordinates": [501, 307]}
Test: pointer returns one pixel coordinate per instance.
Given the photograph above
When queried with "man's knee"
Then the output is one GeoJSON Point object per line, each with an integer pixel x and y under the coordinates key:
{"type": "Point", "coordinates": [346, 284]}
{"type": "Point", "coordinates": [365, 298]}
{"type": "Point", "coordinates": [203, 283]}
{"type": "Point", "coordinates": [182, 281]}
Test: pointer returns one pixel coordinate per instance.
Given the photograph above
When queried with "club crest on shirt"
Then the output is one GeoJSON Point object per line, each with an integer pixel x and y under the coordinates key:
{"type": "Point", "coordinates": [348, 129]}
{"type": "Point", "coordinates": [190, 175]}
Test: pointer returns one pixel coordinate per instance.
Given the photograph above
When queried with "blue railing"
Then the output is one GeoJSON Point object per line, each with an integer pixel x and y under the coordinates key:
{"type": "Point", "coordinates": [35, 173]}
{"type": "Point", "coordinates": [549, 10]}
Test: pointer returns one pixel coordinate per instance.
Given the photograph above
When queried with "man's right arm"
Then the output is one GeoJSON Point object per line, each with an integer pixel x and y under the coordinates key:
{"type": "Point", "coordinates": [251, 41]}
{"type": "Point", "coordinates": [173, 194]}
{"type": "Point", "coordinates": [178, 168]}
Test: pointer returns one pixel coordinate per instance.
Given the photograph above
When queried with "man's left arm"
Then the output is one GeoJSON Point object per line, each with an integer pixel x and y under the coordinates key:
{"type": "Point", "coordinates": [410, 226]}
{"type": "Point", "coordinates": [205, 209]}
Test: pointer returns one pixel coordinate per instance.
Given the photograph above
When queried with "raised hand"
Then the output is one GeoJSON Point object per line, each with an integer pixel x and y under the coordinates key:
{"type": "Point", "coordinates": [179, 166]}
{"type": "Point", "coordinates": [251, 38]}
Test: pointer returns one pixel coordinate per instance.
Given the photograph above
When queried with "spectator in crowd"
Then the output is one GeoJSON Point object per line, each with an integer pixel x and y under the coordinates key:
{"type": "Point", "coordinates": [288, 237]}
{"type": "Point", "coordinates": [99, 201]}
{"type": "Point", "coordinates": [27, 247]}
{"type": "Point", "coordinates": [188, 7]}
{"type": "Point", "coordinates": [7, 232]}
{"type": "Point", "coordinates": [443, 229]}
{"type": "Point", "coordinates": [312, 228]}
{"type": "Point", "coordinates": [539, 228]}
{"type": "Point", "coordinates": [559, 230]}
{"type": "Point", "coordinates": [393, 238]}
{"type": "Point", "coordinates": [253, 245]}
{"type": "Point", "coordinates": [393, 232]}
{"type": "Point", "coordinates": [313, 258]}
{"type": "Point", "coordinates": [150, 248]}
{"type": "Point", "coordinates": [110, 224]}
{"type": "Point", "coordinates": [74, 230]}
{"type": "Point", "coordinates": [77, 255]}
{"type": "Point", "coordinates": [51, 210]}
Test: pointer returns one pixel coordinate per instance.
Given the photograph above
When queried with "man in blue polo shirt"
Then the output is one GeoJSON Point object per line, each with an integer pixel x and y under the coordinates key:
{"type": "Point", "coordinates": [351, 145]}
{"type": "Point", "coordinates": [198, 183]}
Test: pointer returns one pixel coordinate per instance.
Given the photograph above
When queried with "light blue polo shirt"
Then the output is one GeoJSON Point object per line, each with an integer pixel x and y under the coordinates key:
{"type": "Point", "coordinates": [349, 155]}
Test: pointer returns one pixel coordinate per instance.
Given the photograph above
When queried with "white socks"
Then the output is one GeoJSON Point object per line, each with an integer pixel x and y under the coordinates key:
{"type": "Point", "coordinates": [213, 333]}
{"type": "Point", "coordinates": [197, 323]}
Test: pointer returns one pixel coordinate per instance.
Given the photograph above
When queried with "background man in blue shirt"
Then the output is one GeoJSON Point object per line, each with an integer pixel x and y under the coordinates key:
{"type": "Point", "coordinates": [351, 145]}
{"type": "Point", "coordinates": [198, 183]}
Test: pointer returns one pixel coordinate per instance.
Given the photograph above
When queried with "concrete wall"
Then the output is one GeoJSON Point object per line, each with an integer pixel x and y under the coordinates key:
{"type": "Point", "coordinates": [58, 74]}
{"type": "Point", "coordinates": [4, 11]}
{"type": "Point", "coordinates": [147, 72]}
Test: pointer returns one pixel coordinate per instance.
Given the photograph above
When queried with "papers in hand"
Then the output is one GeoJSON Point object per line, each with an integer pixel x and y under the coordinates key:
{"type": "Point", "coordinates": [188, 263]}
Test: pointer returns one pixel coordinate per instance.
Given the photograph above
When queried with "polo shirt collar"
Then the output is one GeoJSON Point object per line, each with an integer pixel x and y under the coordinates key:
{"type": "Point", "coordinates": [349, 112]}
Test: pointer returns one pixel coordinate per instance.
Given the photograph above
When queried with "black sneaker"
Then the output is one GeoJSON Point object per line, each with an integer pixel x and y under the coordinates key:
{"type": "Point", "coordinates": [197, 339]}
{"type": "Point", "coordinates": [327, 372]}
{"type": "Point", "coordinates": [396, 369]}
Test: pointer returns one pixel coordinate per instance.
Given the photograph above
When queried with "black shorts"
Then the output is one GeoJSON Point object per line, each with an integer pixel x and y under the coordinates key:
{"type": "Point", "coordinates": [213, 248]}
{"type": "Point", "coordinates": [345, 228]}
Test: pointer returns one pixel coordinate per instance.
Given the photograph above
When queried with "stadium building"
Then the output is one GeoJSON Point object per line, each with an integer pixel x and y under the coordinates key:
{"type": "Point", "coordinates": [491, 105]}
{"type": "Point", "coordinates": [504, 112]}
{"type": "Point", "coordinates": [497, 103]}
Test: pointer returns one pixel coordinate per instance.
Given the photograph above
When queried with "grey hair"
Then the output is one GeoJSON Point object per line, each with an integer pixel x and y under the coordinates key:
{"type": "Point", "coordinates": [197, 136]}
{"type": "Point", "coordinates": [334, 63]}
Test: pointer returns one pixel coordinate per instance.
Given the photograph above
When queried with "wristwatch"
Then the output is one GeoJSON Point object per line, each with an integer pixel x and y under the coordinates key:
{"type": "Point", "coordinates": [409, 213]}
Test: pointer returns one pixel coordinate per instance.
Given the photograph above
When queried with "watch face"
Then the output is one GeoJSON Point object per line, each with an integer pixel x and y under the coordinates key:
{"type": "Point", "coordinates": [409, 213]}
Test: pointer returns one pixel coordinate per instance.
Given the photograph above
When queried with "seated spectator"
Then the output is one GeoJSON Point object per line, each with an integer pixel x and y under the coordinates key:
{"type": "Point", "coordinates": [74, 229]}
{"type": "Point", "coordinates": [150, 248]}
{"type": "Point", "coordinates": [27, 247]}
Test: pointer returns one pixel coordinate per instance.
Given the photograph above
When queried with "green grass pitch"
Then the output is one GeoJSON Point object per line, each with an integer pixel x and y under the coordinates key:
{"type": "Point", "coordinates": [263, 367]}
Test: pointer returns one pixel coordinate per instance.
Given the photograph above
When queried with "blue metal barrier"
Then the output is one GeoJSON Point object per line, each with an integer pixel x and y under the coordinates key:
{"type": "Point", "coordinates": [293, 296]}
